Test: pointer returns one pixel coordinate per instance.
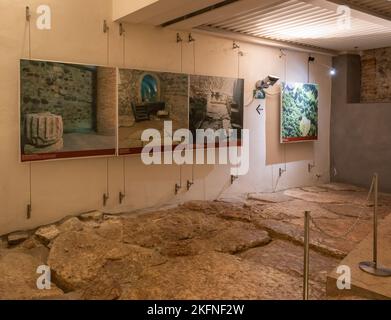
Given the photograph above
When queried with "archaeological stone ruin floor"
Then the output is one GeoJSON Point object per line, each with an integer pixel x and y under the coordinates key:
{"type": "Point", "coordinates": [227, 249]}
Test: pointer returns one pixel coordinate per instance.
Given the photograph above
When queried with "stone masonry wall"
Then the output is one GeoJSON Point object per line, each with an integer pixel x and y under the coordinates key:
{"type": "Point", "coordinates": [376, 75]}
{"type": "Point", "coordinates": [173, 91]}
{"type": "Point", "coordinates": [202, 86]}
{"type": "Point", "coordinates": [127, 91]}
{"type": "Point", "coordinates": [62, 89]}
{"type": "Point", "coordinates": [106, 101]}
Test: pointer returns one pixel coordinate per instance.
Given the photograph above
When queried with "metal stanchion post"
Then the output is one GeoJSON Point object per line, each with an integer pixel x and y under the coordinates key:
{"type": "Point", "coordinates": [372, 267]}
{"type": "Point", "coordinates": [306, 255]}
{"type": "Point", "coordinates": [376, 188]}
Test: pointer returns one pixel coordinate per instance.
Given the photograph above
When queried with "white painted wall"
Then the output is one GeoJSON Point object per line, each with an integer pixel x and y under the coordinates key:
{"type": "Point", "coordinates": [122, 8]}
{"type": "Point", "coordinates": [70, 187]}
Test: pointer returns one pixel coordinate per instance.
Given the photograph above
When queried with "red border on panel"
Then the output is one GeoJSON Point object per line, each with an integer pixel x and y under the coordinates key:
{"type": "Point", "coordinates": [67, 155]}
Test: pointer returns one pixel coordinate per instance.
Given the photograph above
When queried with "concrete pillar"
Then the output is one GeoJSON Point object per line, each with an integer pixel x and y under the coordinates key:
{"type": "Point", "coordinates": [360, 133]}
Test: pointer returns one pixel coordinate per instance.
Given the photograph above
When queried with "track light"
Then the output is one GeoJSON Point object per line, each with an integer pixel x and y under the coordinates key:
{"type": "Point", "coordinates": [261, 85]}
{"type": "Point", "coordinates": [269, 81]}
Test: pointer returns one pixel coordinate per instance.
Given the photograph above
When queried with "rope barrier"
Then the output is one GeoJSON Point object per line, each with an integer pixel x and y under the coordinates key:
{"type": "Point", "coordinates": [351, 228]}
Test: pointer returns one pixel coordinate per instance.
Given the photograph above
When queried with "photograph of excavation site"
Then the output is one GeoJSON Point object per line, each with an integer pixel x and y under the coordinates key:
{"type": "Point", "coordinates": [146, 100]}
{"type": "Point", "coordinates": [298, 210]}
{"type": "Point", "coordinates": [66, 110]}
{"type": "Point", "coordinates": [216, 103]}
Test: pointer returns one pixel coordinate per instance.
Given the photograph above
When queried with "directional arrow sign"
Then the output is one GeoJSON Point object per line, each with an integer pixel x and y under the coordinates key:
{"type": "Point", "coordinates": [259, 109]}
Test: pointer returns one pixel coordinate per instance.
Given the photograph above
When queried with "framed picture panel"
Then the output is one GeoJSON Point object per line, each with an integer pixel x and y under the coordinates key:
{"type": "Point", "coordinates": [216, 103]}
{"type": "Point", "coordinates": [66, 110]}
{"type": "Point", "coordinates": [146, 100]}
{"type": "Point", "coordinates": [299, 112]}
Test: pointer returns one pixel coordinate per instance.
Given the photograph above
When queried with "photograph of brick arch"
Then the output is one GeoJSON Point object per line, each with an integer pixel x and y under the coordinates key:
{"type": "Point", "coordinates": [145, 100]}
{"type": "Point", "coordinates": [66, 110]}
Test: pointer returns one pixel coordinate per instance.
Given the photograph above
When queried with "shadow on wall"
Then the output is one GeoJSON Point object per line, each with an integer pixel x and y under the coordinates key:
{"type": "Point", "coordinates": [360, 132]}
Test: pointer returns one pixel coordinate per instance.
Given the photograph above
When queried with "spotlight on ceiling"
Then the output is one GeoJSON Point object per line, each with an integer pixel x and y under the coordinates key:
{"type": "Point", "coordinates": [333, 72]}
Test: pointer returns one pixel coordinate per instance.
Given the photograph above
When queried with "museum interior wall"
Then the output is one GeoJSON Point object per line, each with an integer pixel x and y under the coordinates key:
{"type": "Point", "coordinates": [69, 187]}
{"type": "Point", "coordinates": [361, 110]}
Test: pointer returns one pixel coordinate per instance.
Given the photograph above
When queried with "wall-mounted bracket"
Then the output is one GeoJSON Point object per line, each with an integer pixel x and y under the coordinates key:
{"type": "Point", "coordinates": [235, 45]}
{"type": "Point", "coordinates": [191, 39]}
{"type": "Point", "coordinates": [106, 27]}
{"type": "Point", "coordinates": [281, 172]}
{"type": "Point", "coordinates": [282, 53]}
{"type": "Point", "coordinates": [105, 199]}
{"type": "Point", "coordinates": [121, 197]}
{"type": "Point", "coordinates": [28, 14]}
{"type": "Point", "coordinates": [177, 188]}
{"type": "Point", "coordinates": [178, 38]}
{"type": "Point", "coordinates": [29, 210]}
{"type": "Point", "coordinates": [310, 167]}
{"type": "Point", "coordinates": [189, 184]}
{"type": "Point", "coordinates": [233, 178]}
{"type": "Point", "coordinates": [121, 30]}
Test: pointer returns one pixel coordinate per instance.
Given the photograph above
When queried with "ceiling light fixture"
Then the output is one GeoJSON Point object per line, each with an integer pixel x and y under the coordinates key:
{"type": "Point", "coordinates": [332, 71]}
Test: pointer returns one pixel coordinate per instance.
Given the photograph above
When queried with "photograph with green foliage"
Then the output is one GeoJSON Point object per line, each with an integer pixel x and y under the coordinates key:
{"type": "Point", "coordinates": [299, 112]}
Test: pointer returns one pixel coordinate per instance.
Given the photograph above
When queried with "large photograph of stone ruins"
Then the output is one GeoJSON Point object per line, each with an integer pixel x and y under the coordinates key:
{"type": "Point", "coordinates": [146, 100]}
{"type": "Point", "coordinates": [216, 103]}
{"type": "Point", "coordinates": [67, 110]}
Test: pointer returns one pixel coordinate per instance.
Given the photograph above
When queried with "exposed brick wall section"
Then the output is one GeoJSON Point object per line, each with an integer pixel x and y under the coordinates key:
{"type": "Point", "coordinates": [376, 75]}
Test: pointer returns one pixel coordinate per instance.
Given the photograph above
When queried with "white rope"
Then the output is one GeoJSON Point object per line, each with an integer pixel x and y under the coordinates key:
{"type": "Point", "coordinates": [351, 228]}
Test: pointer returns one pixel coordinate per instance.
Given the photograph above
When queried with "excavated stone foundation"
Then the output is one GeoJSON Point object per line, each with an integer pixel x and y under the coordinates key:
{"type": "Point", "coordinates": [250, 249]}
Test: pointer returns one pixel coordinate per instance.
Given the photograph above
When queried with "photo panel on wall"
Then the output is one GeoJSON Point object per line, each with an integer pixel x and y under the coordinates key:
{"type": "Point", "coordinates": [146, 100]}
{"type": "Point", "coordinates": [67, 110]}
{"type": "Point", "coordinates": [216, 103]}
{"type": "Point", "coordinates": [299, 112]}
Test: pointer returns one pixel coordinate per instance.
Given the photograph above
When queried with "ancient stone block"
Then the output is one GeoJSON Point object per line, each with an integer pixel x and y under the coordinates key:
{"type": "Point", "coordinates": [72, 224]}
{"type": "Point", "coordinates": [47, 234]}
{"type": "Point", "coordinates": [30, 149]}
{"type": "Point", "coordinates": [43, 129]}
{"type": "Point", "coordinates": [18, 278]}
{"type": "Point", "coordinates": [79, 258]}
{"type": "Point", "coordinates": [240, 237]}
{"type": "Point", "coordinates": [17, 237]}
{"type": "Point", "coordinates": [95, 215]}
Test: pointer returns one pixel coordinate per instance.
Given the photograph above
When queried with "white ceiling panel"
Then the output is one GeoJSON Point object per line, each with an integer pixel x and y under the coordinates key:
{"type": "Point", "coordinates": [315, 23]}
{"type": "Point", "coordinates": [310, 23]}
